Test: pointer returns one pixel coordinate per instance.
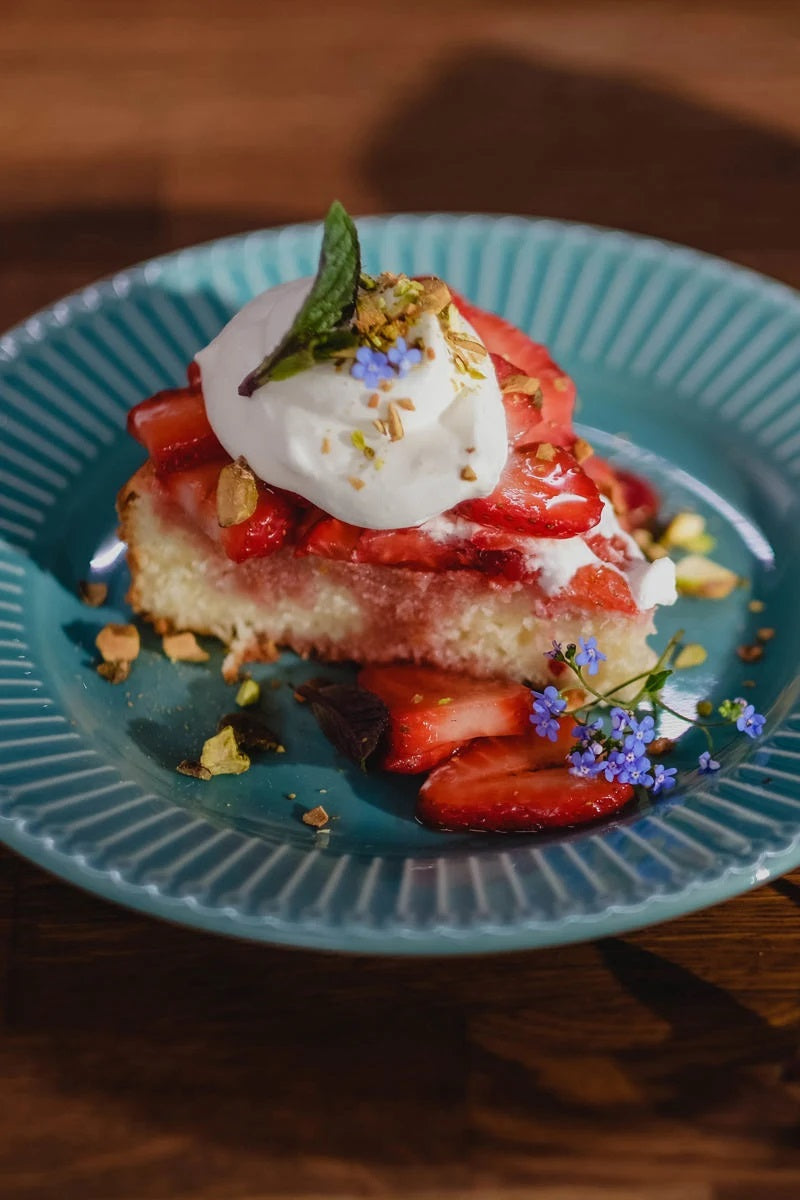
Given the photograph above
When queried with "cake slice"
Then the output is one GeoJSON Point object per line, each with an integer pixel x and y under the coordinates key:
{"type": "Point", "coordinates": [403, 486]}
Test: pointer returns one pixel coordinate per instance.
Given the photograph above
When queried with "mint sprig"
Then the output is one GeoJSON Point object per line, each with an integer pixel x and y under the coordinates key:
{"type": "Point", "coordinates": [318, 330]}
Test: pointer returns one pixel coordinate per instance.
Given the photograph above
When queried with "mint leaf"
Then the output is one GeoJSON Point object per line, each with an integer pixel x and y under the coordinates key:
{"type": "Point", "coordinates": [656, 681]}
{"type": "Point", "coordinates": [352, 718]}
{"type": "Point", "coordinates": [329, 304]}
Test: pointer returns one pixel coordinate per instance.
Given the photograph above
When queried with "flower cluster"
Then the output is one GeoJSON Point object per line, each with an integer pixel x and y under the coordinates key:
{"type": "Point", "coordinates": [621, 752]}
{"type": "Point", "coordinates": [373, 366]}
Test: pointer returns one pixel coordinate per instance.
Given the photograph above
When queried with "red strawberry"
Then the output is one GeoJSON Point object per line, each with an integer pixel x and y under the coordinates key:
{"type": "Point", "coordinates": [542, 497]}
{"type": "Point", "coordinates": [270, 526]}
{"type": "Point", "coordinates": [432, 712]}
{"type": "Point", "coordinates": [503, 338]}
{"type": "Point", "coordinates": [524, 419]}
{"type": "Point", "coordinates": [635, 502]}
{"type": "Point", "coordinates": [509, 785]}
{"type": "Point", "coordinates": [594, 587]}
{"type": "Point", "coordinates": [174, 429]}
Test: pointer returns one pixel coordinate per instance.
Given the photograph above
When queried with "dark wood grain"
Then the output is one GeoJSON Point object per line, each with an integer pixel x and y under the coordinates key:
{"type": "Point", "coordinates": [145, 1062]}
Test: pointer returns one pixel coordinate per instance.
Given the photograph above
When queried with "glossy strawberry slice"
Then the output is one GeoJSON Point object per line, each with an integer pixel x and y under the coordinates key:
{"type": "Point", "coordinates": [502, 338]}
{"type": "Point", "coordinates": [270, 527]}
{"type": "Point", "coordinates": [635, 502]}
{"type": "Point", "coordinates": [512, 785]}
{"type": "Point", "coordinates": [539, 496]}
{"type": "Point", "coordinates": [432, 711]}
{"type": "Point", "coordinates": [174, 429]}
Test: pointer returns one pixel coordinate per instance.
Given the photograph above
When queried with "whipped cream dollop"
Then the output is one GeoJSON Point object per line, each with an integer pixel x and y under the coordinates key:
{"type": "Point", "coordinates": [435, 437]}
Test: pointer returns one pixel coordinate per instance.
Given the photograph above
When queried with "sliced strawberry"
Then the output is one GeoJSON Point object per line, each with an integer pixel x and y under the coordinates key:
{"type": "Point", "coordinates": [541, 497]}
{"type": "Point", "coordinates": [503, 784]}
{"type": "Point", "coordinates": [635, 502]}
{"type": "Point", "coordinates": [432, 711]}
{"type": "Point", "coordinates": [328, 537]}
{"type": "Point", "coordinates": [194, 490]}
{"type": "Point", "coordinates": [269, 527]}
{"type": "Point", "coordinates": [174, 429]}
{"type": "Point", "coordinates": [596, 587]}
{"type": "Point", "coordinates": [524, 410]}
{"type": "Point", "coordinates": [503, 338]}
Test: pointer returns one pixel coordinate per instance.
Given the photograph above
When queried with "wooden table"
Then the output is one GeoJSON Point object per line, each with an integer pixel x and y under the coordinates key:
{"type": "Point", "coordinates": [141, 1061]}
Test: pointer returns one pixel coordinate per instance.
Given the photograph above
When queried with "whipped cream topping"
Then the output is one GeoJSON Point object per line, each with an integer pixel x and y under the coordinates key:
{"type": "Point", "coordinates": [557, 559]}
{"type": "Point", "coordinates": [315, 433]}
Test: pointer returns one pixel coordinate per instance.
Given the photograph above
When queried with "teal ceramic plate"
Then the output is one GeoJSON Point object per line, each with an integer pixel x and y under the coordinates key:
{"type": "Point", "coordinates": [688, 369]}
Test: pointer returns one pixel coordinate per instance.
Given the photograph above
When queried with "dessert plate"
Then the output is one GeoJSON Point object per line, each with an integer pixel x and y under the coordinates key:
{"type": "Point", "coordinates": [688, 370]}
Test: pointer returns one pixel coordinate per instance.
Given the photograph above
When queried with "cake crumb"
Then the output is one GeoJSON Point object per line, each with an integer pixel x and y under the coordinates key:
{"type": "Point", "coordinates": [316, 817]}
{"type": "Point", "coordinates": [756, 606]}
{"type": "Point", "coordinates": [765, 635]}
{"type": "Point", "coordinates": [118, 643]}
{"type": "Point", "coordinates": [194, 769]}
{"type": "Point", "coordinates": [114, 672]}
{"type": "Point", "coordinates": [753, 653]}
{"type": "Point", "coordinates": [184, 647]}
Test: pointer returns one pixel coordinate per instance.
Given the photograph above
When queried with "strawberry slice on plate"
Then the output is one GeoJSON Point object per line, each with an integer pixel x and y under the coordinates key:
{"type": "Point", "coordinates": [635, 502]}
{"type": "Point", "coordinates": [524, 408]}
{"type": "Point", "coordinates": [174, 429]}
{"type": "Point", "coordinates": [512, 785]}
{"type": "Point", "coordinates": [542, 492]}
{"type": "Point", "coordinates": [502, 338]}
{"type": "Point", "coordinates": [431, 712]}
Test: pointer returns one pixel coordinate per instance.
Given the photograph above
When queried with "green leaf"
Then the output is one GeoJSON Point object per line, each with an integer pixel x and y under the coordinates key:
{"type": "Point", "coordinates": [329, 304]}
{"type": "Point", "coordinates": [656, 681]}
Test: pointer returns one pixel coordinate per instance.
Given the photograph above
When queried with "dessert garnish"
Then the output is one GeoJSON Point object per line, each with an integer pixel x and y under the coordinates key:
{"type": "Point", "coordinates": [320, 328]}
{"type": "Point", "coordinates": [119, 645]}
{"type": "Point", "coordinates": [352, 718]}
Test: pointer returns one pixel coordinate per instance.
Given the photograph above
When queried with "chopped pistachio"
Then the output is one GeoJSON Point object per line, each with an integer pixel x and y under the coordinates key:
{"type": "Point", "coordinates": [756, 606]}
{"type": "Point", "coordinates": [575, 698]}
{"type": "Point", "coordinates": [435, 295]}
{"type": "Point", "coordinates": [249, 693]}
{"type": "Point", "coordinates": [704, 708]}
{"type": "Point", "coordinates": [183, 647]}
{"type": "Point", "coordinates": [546, 452]}
{"type": "Point", "coordinates": [699, 576]}
{"type": "Point", "coordinates": [468, 474]}
{"type": "Point", "coordinates": [682, 529]}
{"type": "Point", "coordinates": [529, 385]}
{"type": "Point", "coordinates": [661, 745]}
{"type": "Point", "coordinates": [417, 698]}
{"type": "Point", "coordinates": [237, 494]}
{"type": "Point", "coordinates": [317, 817]}
{"type": "Point", "coordinates": [704, 543]}
{"type": "Point", "coordinates": [195, 769]}
{"type": "Point", "coordinates": [406, 403]}
{"type": "Point", "coordinates": [92, 592]}
{"type": "Point", "coordinates": [114, 672]}
{"type": "Point", "coordinates": [374, 400]}
{"type": "Point", "coordinates": [582, 450]}
{"type": "Point", "coordinates": [118, 643]}
{"type": "Point", "coordinates": [355, 483]}
{"type": "Point", "coordinates": [396, 431]}
{"type": "Point", "coordinates": [221, 754]}
{"type": "Point", "coordinates": [561, 384]}
{"type": "Point", "coordinates": [326, 445]}
{"type": "Point", "coordinates": [692, 655]}
{"type": "Point", "coordinates": [765, 634]}
{"type": "Point", "coordinates": [445, 700]}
